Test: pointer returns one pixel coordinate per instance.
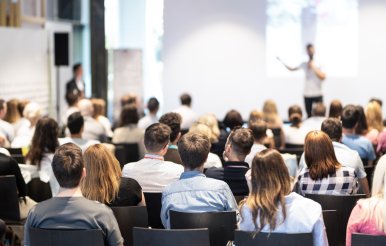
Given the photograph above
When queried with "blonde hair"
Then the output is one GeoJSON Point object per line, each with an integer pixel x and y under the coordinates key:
{"type": "Point", "coordinates": [103, 174]}
{"type": "Point", "coordinates": [13, 114]}
{"type": "Point", "coordinates": [374, 116]}
{"type": "Point", "coordinates": [211, 121]}
{"type": "Point", "coordinates": [199, 128]}
{"type": "Point", "coordinates": [255, 115]}
{"type": "Point", "coordinates": [271, 115]}
{"type": "Point", "coordinates": [99, 106]}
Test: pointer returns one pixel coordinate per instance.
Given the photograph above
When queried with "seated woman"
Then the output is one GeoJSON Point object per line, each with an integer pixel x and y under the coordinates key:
{"type": "Point", "coordinates": [103, 181]}
{"type": "Point", "coordinates": [255, 116]}
{"type": "Point", "coordinates": [274, 122]}
{"type": "Point", "coordinates": [369, 215]}
{"type": "Point", "coordinates": [324, 174]}
{"type": "Point", "coordinates": [374, 121]}
{"type": "Point", "coordinates": [295, 133]}
{"type": "Point", "coordinates": [272, 207]}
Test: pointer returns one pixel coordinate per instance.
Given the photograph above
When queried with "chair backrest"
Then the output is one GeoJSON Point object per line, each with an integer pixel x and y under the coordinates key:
{"type": "Point", "coordinates": [129, 217]}
{"type": "Point", "coordinates": [56, 237]}
{"type": "Point", "coordinates": [245, 238]}
{"type": "Point", "coordinates": [358, 239]}
{"type": "Point", "coordinates": [221, 225]}
{"type": "Point", "coordinates": [329, 217]}
{"type": "Point", "coordinates": [17, 154]}
{"type": "Point", "coordinates": [370, 173]}
{"type": "Point", "coordinates": [277, 136]}
{"type": "Point", "coordinates": [9, 200]}
{"type": "Point", "coordinates": [343, 204]}
{"type": "Point", "coordinates": [160, 237]}
{"type": "Point", "coordinates": [153, 205]}
{"type": "Point", "coordinates": [38, 190]}
{"type": "Point", "coordinates": [126, 152]}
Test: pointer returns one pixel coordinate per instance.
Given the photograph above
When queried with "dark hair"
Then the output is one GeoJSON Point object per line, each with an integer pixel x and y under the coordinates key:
{"type": "Point", "coordinates": [75, 122]}
{"type": "Point", "coordinates": [259, 129]}
{"type": "Point", "coordinates": [44, 140]}
{"type": "Point", "coordinates": [309, 45]}
{"type": "Point", "coordinates": [336, 109]}
{"type": "Point", "coordinates": [350, 116]}
{"type": "Point", "coordinates": [318, 109]}
{"type": "Point", "coordinates": [377, 100]}
{"type": "Point", "coordinates": [173, 120]}
{"type": "Point", "coordinates": [68, 165]}
{"type": "Point", "coordinates": [186, 99]}
{"type": "Point", "coordinates": [76, 67]}
{"type": "Point", "coordinates": [153, 105]}
{"type": "Point", "coordinates": [157, 136]}
{"type": "Point", "coordinates": [2, 103]}
{"type": "Point", "coordinates": [128, 99]}
{"type": "Point", "coordinates": [295, 115]}
{"type": "Point", "coordinates": [129, 115]}
{"type": "Point", "coordinates": [72, 98]}
{"type": "Point", "coordinates": [333, 128]}
{"type": "Point", "coordinates": [232, 119]}
{"type": "Point", "coordinates": [241, 140]}
{"type": "Point", "coordinates": [362, 125]}
{"type": "Point", "coordinates": [193, 149]}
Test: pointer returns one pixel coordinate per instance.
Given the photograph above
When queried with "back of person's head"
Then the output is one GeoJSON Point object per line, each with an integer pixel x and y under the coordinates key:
{"type": "Point", "coordinates": [72, 98]}
{"type": "Point", "coordinates": [319, 155]}
{"type": "Point", "coordinates": [103, 174]}
{"type": "Point", "coordinates": [233, 119]}
{"type": "Point", "coordinates": [270, 183]}
{"type": "Point", "coordinates": [186, 99]}
{"type": "Point", "coordinates": [86, 108]}
{"type": "Point", "coordinates": [241, 141]}
{"type": "Point", "coordinates": [211, 121]}
{"type": "Point", "coordinates": [21, 105]}
{"type": "Point", "coordinates": [129, 99]}
{"type": "Point", "coordinates": [99, 106]}
{"type": "Point", "coordinates": [374, 116]}
{"type": "Point", "coordinates": [44, 140]}
{"type": "Point", "coordinates": [153, 105]}
{"type": "Point", "coordinates": [32, 111]}
{"type": "Point", "coordinates": [193, 149]}
{"type": "Point", "coordinates": [377, 100]}
{"type": "Point", "coordinates": [259, 129]}
{"type": "Point", "coordinates": [335, 110]}
{"type": "Point", "coordinates": [269, 107]}
{"type": "Point", "coordinates": [67, 165]}
{"type": "Point", "coordinates": [75, 123]}
{"type": "Point", "coordinates": [318, 110]}
{"type": "Point", "coordinates": [129, 115]}
{"type": "Point", "coordinates": [255, 115]}
{"type": "Point", "coordinates": [157, 137]}
{"type": "Point", "coordinates": [13, 115]}
{"type": "Point", "coordinates": [198, 128]}
{"type": "Point", "coordinates": [350, 116]}
{"type": "Point", "coordinates": [173, 120]}
{"type": "Point", "coordinates": [361, 127]}
{"type": "Point", "coordinates": [333, 128]}
{"type": "Point", "coordinates": [295, 115]}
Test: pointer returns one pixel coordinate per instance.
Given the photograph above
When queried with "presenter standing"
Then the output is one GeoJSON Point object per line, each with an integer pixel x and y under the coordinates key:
{"type": "Point", "coordinates": [314, 77]}
{"type": "Point", "coordinates": [76, 85]}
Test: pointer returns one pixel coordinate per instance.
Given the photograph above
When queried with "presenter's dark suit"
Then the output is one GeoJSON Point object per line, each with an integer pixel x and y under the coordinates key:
{"type": "Point", "coordinates": [72, 87]}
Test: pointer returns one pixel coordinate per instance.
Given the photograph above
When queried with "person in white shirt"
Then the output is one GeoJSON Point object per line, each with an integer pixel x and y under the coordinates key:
{"type": "Point", "coordinates": [151, 117]}
{"type": "Point", "coordinates": [99, 106]}
{"type": "Point", "coordinates": [318, 116]}
{"type": "Point", "coordinates": [93, 130]}
{"type": "Point", "coordinates": [6, 129]}
{"type": "Point", "coordinates": [313, 79]}
{"type": "Point", "coordinates": [72, 100]}
{"type": "Point", "coordinates": [259, 132]}
{"type": "Point", "coordinates": [295, 133]}
{"type": "Point", "coordinates": [152, 172]}
{"type": "Point", "coordinates": [186, 112]}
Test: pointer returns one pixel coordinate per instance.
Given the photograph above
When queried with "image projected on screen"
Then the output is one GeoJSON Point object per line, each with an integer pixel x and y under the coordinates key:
{"type": "Point", "coordinates": [332, 26]}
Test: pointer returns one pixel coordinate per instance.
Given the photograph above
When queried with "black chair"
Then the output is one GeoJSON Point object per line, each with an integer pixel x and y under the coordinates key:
{"type": "Point", "coordinates": [17, 154]}
{"type": "Point", "coordinates": [221, 225]}
{"type": "Point", "coordinates": [38, 190]}
{"type": "Point", "coordinates": [239, 198]}
{"type": "Point", "coordinates": [9, 200]}
{"type": "Point", "coordinates": [245, 238]}
{"type": "Point", "coordinates": [343, 204]}
{"type": "Point", "coordinates": [369, 174]}
{"type": "Point", "coordinates": [276, 136]}
{"type": "Point", "coordinates": [358, 239]}
{"type": "Point", "coordinates": [330, 217]}
{"type": "Point", "coordinates": [56, 237]}
{"type": "Point", "coordinates": [153, 205]}
{"type": "Point", "coordinates": [126, 152]}
{"type": "Point", "coordinates": [294, 146]}
{"type": "Point", "coordinates": [159, 237]}
{"type": "Point", "coordinates": [129, 217]}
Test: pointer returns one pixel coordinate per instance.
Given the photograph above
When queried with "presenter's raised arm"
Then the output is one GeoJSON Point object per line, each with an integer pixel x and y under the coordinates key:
{"type": "Point", "coordinates": [286, 66]}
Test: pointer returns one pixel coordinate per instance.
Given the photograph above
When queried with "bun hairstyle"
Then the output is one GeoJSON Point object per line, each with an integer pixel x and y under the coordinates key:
{"type": "Point", "coordinates": [295, 115]}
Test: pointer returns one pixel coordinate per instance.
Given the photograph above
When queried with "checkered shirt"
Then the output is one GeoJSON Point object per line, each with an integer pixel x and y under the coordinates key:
{"type": "Point", "coordinates": [342, 182]}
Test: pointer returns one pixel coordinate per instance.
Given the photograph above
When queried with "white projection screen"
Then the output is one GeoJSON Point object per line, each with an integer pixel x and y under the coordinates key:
{"type": "Point", "coordinates": [223, 52]}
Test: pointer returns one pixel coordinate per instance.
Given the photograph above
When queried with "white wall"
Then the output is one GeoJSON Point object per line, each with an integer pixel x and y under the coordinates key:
{"type": "Point", "coordinates": [215, 50]}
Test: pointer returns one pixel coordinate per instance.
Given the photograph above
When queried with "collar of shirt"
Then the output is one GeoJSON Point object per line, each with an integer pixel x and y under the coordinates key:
{"type": "Point", "coordinates": [236, 164]}
{"type": "Point", "coordinates": [172, 146]}
{"type": "Point", "coordinates": [191, 174]}
{"type": "Point", "coordinates": [154, 157]}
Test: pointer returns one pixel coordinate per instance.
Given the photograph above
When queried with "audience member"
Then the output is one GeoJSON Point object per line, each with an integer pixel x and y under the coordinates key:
{"type": "Point", "coordinates": [69, 209]}
{"type": "Point", "coordinates": [231, 120]}
{"type": "Point", "coordinates": [194, 192]}
{"type": "Point", "coordinates": [295, 133]}
{"type": "Point", "coordinates": [76, 85]}
{"type": "Point", "coordinates": [6, 129]}
{"type": "Point", "coordinates": [153, 173]}
{"type": "Point", "coordinates": [369, 215]}
{"type": "Point", "coordinates": [99, 113]}
{"type": "Point", "coordinates": [259, 132]}
{"type": "Point", "coordinates": [43, 146]}
{"type": "Point", "coordinates": [324, 174]}
{"type": "Point", "coordinates": [374, 121]}
{"type": "Point", "coordinates": [336, 109]}
{"type": "Point", "coordinates": [238, 146]}
{"type": "Point", "coordinates": [346, 156]}
{"type": "Point", "coordinates": [151, 117]}
{"type": "Point", "coordinates": [361, 127]}
{"type": "Point", "coordinates": [93, 130]}
{"type": "Point", "coordinates": [257, 115]}
{"type": "Point", "coordinates": [186, 112]}
{"type": "Point", "coordinates": [274, 122]}
{"type": "Point", "coordinates": [272, 207]}
{"type": "Point", "coordinates": [128, 130]}
{"type": "Point", "coordinates": [211, 121]}
{"type": "Point", "coordinates": [173, 120]}
{"type": "Point", "coordinates": [103, 182]}
{"type": "Point", "coordinates": [377, 100]}
{"type": "Point", "coordinates": [13, 115]}
{"type": "Point", "coordinates": [318, 115]}
{"type": "Point", "coordinates": [350, 119]}
{"type": "Point", "coordinates": [72, 100]}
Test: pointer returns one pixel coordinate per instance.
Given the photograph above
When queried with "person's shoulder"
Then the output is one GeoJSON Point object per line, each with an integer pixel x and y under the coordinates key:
{"type": "Point", "coordinates": [301, 202]}
{"type": "Point", "coordinates": [216, 184]}
{"type": "Point", "coordinates": [174, 166]}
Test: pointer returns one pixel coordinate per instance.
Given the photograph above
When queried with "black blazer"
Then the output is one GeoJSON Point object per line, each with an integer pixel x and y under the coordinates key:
{"type": "Point", "coordinates": [71, 87]}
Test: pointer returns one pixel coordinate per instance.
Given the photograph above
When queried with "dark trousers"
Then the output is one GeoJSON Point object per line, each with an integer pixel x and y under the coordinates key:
{"type": "Point", "coordinates": [309, 101]}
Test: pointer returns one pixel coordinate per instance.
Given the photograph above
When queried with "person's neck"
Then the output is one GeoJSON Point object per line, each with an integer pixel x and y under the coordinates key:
{"type": "Point", "coordinates": [236, 158]}
{"type": "Point", "coordinates": [259, 141]}
{"type": "Point", "coordinates": [70, 192]}
{"type": "Point", "coordinates": [174, 142]}
{"type": "Point", "coordinates": [347, 131]}
{"type": "Point", "coordinates": [156, 154]}
{"type": "Point", "coordinates": [199, 169]}
{"type": "Point", "coordinates": [78, 135]}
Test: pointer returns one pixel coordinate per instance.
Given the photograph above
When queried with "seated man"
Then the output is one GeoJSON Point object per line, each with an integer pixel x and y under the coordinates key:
{"type": "Point", "coordinates": [238, 146]}
{"type": "Point", "coordinates": [69, 209]}
{"type": "Point", "coordinates": [153, 173]}
{"type": "Point", "coordinates": [173, 120]}
{"type": "Point", "coordinates": [318, 115]}
{"type": "Point", "coordinates": [259, 131]}
{"type": "Point", "coordinates": [365, 149]}
{"type": "Point", "coordinates": [194, 192]}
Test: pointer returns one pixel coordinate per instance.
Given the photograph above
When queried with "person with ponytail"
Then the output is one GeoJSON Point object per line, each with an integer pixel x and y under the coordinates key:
{"type": "Point", "coordinates": [369, 215]}
{"type": "Point", "coordinates": [272, 207]}
{"type": "Point", "coordinates": [295, 133]}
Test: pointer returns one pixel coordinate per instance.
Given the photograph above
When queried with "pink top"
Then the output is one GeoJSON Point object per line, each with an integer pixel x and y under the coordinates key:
{"type": "Point", "coordinates": [372, 135]}
{"type": "Point", "coordinates": [357, 225]}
